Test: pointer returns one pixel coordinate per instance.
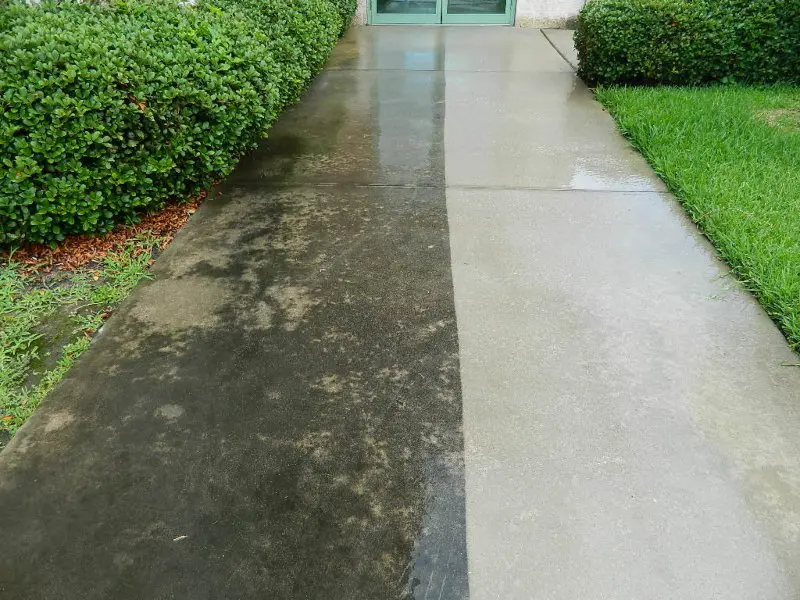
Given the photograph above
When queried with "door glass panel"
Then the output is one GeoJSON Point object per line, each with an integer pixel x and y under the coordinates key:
{"type": "Point", "coordinates": [407, 7]}
{"type": "Point", "coordinates": [476, 7]}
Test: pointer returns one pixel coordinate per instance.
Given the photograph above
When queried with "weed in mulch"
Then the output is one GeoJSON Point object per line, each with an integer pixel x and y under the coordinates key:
{"type": "Point", "coordinates": [53, 301]}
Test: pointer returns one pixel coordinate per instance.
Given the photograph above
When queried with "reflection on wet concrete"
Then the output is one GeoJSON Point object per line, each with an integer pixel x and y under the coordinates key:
{"type": "Point", "coordinates": [439, 555]}
{"type": "Point", "coordinates": [357, 128]}
{"type": "Point", "coordinates": [542, 131]}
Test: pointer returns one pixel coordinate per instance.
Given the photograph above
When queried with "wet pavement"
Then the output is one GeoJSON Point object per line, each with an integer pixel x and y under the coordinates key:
{"type": "Point", "coordinates": [444, 335]}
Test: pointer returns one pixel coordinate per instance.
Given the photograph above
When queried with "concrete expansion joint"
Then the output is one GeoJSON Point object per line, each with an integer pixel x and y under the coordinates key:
{"type": "Point", "coordinates": [558, 50]}
{"type": "Point", "coordinates": [433, 186]}
{"type": "Point", "coordinates": [551, 189]}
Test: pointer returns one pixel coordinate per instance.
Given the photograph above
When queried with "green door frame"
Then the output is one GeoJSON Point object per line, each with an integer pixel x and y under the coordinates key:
{"type": "Point", "coordinates": [441, 16]}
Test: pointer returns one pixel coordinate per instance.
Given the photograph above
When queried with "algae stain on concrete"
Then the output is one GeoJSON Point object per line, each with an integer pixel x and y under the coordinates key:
{"type": "Point", "coordinates": [58, 420]}
{"type": "Point", "coordinates": [294, 301]}
{"type": "Point", "coordinates": [169, 412]}
{"type": "Point", "coordinates": [181, 303]}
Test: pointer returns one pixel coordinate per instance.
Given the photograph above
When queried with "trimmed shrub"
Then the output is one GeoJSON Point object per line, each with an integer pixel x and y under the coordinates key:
{"type": "Point", "coordinates": [301, 33]}
{"type": "Point", "coordinates": [347, 10]}
{"type": "Point", "coordinates": [110, 109]}
{"type": "Point", "coordinates": [689, 42]}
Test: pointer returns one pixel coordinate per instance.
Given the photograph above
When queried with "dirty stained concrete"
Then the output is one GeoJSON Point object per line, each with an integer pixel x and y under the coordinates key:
{"type": "Point", "coordinates": [278, 413]}
{"type": "Point", "coordinates": [444, 335]}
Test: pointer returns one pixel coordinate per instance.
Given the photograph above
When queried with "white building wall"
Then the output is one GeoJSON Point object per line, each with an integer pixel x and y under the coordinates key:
{"type": "Point", "coordinates": [547, 13]}
{"type": "Point", "coordinates": [530, 13]}
{"type": "Point", "coordinates": [361, 13]}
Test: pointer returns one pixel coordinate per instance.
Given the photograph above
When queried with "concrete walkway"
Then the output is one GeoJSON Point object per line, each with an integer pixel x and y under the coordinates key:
{"type": "Point", "coordinates": [443, 336]}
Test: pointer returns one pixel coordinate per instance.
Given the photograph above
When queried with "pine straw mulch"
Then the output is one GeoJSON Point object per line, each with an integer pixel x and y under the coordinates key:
{"type": "Point", "coordinates": [79, 251]}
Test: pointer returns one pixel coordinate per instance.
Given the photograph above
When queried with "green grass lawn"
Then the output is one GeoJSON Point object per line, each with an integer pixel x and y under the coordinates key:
{"type": "Point", "coordinates": [47, 320]}
{"type": "Point", "coordinates": [732, 157]}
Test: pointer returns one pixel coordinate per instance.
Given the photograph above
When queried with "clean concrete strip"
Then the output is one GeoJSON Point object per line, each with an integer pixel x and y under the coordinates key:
{"type": "Point", "coordinates": [630, 431]}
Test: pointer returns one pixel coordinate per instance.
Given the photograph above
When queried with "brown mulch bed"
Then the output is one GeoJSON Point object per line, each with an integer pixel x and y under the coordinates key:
{"type": "Point", "coordinates": [80, 250]}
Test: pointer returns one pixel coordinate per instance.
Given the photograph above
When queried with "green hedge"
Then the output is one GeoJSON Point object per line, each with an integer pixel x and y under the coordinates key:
{"type": "Point", "coordinates": [689, 42]}
{"type": "Point", "coordinates": [110, 109]}
{"type": "Point", "coordinates": [347, 10]}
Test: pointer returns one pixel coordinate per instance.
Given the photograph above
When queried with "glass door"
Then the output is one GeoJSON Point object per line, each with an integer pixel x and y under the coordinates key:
{"type": "Point", "coordinates": [448, 12]}
{"type": "Point", "coordinates": [406, 11]}
{"type": "Point", "coordinates": [478, 12]}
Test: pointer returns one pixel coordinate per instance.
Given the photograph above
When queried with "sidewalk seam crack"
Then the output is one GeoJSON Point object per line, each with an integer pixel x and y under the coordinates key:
{"type": "Point", "coordinates": [432, 186]}
{"type": "Point", "coordinates": [566, 60]}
